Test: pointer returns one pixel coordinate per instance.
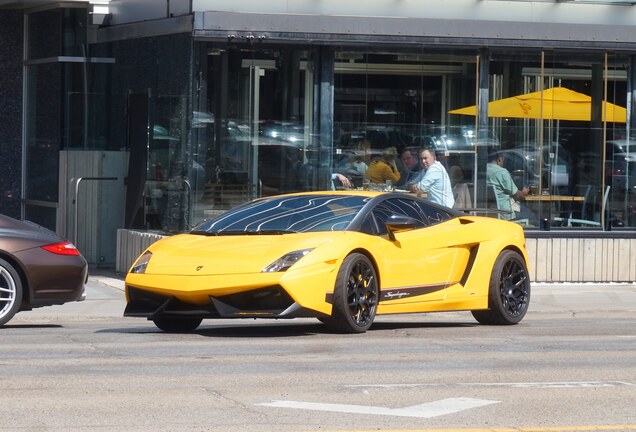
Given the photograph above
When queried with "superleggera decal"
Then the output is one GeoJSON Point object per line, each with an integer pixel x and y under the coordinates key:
{"type": "Point", "coordinates": [399, 293]}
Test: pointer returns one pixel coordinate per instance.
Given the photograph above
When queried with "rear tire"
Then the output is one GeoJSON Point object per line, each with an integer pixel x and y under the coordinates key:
{"type": "Point", "coordinates": [172, 324]}
{"type": "Point", "coordinates": [10, 292]}
{"type": "Point", "coordinates": [509, 291]}
{"type": "Point", "coordinates": [355, 297]}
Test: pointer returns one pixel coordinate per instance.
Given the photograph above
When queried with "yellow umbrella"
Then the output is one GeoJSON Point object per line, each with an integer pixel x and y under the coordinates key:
{"type": "Point", "coordinates": [559, 103]}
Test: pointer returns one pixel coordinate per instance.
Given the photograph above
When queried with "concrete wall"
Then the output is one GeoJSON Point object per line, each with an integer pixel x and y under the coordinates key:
{"type": "Point", "coordinates": [551, 259]}
{"type": "Point", "coordinates": [484, 10]}
{"type": "Point", "coordinates": [582, 260]}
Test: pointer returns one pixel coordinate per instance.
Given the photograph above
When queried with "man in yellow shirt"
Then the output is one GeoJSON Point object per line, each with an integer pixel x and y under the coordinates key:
{"type": "Point", "coordinates": [382, 169]}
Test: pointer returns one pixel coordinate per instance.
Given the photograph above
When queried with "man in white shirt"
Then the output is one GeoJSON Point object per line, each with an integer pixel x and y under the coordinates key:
{"type": "Point", "coordinates": [433, 180]}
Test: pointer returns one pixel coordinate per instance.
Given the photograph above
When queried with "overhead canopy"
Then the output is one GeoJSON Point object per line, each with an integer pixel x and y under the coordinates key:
{"type": "Point", "coordinates": [559, 103]}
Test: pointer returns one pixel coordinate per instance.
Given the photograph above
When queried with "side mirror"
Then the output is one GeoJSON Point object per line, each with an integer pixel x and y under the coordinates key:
{"type": "Point", "coordinates": [396, 224]}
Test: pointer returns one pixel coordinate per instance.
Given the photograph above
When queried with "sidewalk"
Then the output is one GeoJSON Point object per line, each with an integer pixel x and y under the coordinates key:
{"type": "Point", "coordinates": [106, 277]}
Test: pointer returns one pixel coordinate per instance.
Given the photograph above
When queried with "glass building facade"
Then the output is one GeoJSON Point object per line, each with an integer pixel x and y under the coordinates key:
{"type": "Point", "coordinates": [258, 130]}
{"type": "Point", "coordinates": [209, 117]}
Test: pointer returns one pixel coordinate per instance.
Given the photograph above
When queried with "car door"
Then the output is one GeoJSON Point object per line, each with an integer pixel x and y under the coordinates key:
{"type": "Point", "coordinates": [420, 264]}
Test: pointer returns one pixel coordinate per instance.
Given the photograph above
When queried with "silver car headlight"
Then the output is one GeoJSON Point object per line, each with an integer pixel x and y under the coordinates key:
{"type": "Point", "coordinates": [286, 261]}
{"type": "Point", "coordinates": [141, 263]}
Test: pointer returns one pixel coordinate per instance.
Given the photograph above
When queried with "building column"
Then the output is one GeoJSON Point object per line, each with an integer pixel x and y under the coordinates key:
{"type": "Point", "coordinates": [631, 97]}
{"type": "Point", "coordinates": [323, 108]}
{"type": "Point", "coordinates": [483, 88]}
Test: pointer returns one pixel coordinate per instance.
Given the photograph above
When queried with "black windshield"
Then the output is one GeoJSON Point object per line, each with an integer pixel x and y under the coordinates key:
{"type": "Point", "coordinates": [290, 214]}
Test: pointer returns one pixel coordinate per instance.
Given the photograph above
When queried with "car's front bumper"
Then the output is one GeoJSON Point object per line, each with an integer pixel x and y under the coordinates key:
{"type": "Point", "coordinates": [291, 294]}
{"type": "Point", "coordinates": [267, 302]}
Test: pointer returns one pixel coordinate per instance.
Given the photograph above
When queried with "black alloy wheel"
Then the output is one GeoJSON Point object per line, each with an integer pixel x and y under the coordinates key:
{"type": "Point", "coordinates": [356, 294]}
{"type": "Point", "coordinates": [509, 291]}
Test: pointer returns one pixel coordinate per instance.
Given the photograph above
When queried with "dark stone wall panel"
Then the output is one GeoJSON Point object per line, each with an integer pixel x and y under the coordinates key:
{"type": "Point", "coordinates": [11, 55]}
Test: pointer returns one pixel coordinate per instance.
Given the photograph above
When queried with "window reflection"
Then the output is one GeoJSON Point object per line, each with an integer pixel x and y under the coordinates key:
{"type": "Point", "coordinates": [255, 135]}
{"type": "Point", "coordinates": [562, 144]}
{"type": "Point", "coordinates": [385, 100]}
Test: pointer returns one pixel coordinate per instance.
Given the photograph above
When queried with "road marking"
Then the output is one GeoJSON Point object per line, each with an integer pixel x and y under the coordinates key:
{"type": "Point", "coordinates": [598, 428]}
{"type": "Point", "coordinates": [425, 410]}
{"type": "Point", "coordinates": [555, 384]}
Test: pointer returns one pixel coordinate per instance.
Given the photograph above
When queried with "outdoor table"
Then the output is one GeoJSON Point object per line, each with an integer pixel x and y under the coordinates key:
{"type": "Point", "coordinates": [546, 202]}
{"type": "Point", "coordinates": [554, 198]}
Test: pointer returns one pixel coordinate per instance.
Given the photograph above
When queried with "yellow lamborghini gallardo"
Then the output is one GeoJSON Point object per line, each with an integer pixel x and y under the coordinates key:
{"type": "Point", "coordinates": [340, 256]}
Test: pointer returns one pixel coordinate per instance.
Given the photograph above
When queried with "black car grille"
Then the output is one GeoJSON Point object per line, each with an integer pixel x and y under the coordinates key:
{"type": "Point", "coordinates": [273, 298]}
{"type": "Point", "coordinates": [268, 301]}
{"type": "Point", "coordinates": [147, 304]}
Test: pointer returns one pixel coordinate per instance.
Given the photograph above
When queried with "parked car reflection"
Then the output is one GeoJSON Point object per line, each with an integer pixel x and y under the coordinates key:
{"type": "Point", "coordinates": [532, 167]}
{"type": "Point", "coordinates": [454, 138]}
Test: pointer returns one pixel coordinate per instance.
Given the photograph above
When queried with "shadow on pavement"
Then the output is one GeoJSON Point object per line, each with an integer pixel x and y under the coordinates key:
{"type": "Point", "coordinates": [208, 329]}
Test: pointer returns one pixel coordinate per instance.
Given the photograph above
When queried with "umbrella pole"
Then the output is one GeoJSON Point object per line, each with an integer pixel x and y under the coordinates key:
{"type": "Point", "coordinates": [541, 101]}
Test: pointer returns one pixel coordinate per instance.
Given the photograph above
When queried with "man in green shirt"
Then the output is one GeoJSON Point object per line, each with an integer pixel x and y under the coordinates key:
{"type": "Point", "coordinates": [505, 188]}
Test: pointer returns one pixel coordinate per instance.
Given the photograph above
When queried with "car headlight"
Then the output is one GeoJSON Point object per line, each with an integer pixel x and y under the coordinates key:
{"type": "Point", "coordinates": [141, 263]}
{"type": "Point", "coordinates": [286, 261]}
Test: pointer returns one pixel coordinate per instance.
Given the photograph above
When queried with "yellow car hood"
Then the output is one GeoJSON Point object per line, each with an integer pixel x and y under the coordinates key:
{"type": "Point", "coordinates": [197, 255]}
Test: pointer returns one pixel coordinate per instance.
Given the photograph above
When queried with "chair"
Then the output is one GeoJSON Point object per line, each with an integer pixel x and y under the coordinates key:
{"type": "Point", "coordinates": [577, 207]}
{"type": "Point", "coordinates": [462, 196]}
{"type": "Point", "coordinates": [588, 201]}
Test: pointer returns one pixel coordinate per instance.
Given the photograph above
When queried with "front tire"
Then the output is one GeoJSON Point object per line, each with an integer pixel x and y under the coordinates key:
{"type": "Point", "coordinates": [509, 291]}
{"type": "Point", "coordinates": [10, 292]}
{"type": "Point", "coordinates": [355, 297]}
{"type": "Point", "coordinates": [172, 324]}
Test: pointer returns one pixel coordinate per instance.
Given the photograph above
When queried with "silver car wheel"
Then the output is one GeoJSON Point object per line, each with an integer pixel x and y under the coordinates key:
{"type": "Point", "coordinates": [10, 292]}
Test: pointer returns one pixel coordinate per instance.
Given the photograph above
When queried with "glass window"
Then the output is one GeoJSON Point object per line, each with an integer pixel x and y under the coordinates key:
{"type": "Point", "coordinates": [397, 207]}
{"type": "Point", "coordinates": [43, 132]}
{"type": "Point", "coordinates": [43, 216]}
{"type": "Point", "coordinates": [150, 113]}
{"type": "Point", "coordinates": [399, 100]}
{"type": "Point", "coordinates": [553, 137]}
{"type": "Point", "coordinates": [368, 226]}
{"type": "Point", "coordinates": [557, 155]}
{"type": "Point", "coordinates": [254, 137]}
{"type": "Point", "coordinates": [170, 182]}
{"type": "Point", "coordinates": [433, 215]}
{"type": "Point", "coordinates": [619, 185]}
{"type": "Point", "coordinates": [426, 215]}
{"type": "Point", "coordinates": [86, 117]}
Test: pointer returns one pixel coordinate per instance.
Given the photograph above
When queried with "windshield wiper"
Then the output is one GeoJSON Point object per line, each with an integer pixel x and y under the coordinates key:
{"type": "Point", "coordinates": [204, 233]}
{"type": "Point", "coordinates": [275, 231]}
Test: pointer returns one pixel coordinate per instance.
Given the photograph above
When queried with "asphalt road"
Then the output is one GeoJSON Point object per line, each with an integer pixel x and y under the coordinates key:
{"type": "Point", "coordinates": [569, 366]}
